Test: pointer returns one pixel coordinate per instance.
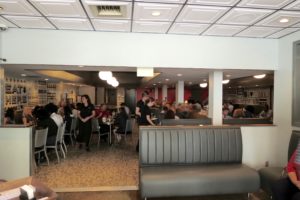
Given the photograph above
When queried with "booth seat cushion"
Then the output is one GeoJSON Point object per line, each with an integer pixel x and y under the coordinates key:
{"type": "Point", "coordinates": [198, 180]}
{"type": "Point", "coordinates": [268, 175]}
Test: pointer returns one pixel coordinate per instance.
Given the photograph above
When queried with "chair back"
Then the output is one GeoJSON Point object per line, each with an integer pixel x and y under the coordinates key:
{"type": "Point", "coordinates": [293, 142]}
{"type": "Point", "coordinates": [60, 133]}
{"type": "Point", "coordinates": [95, 125]}
{"type": "Point", "coordinates": [40, 138]}
{"type": "Point", "coordinates": [73, 124]}
{"type": "Point", "coordinates": [129, 125]}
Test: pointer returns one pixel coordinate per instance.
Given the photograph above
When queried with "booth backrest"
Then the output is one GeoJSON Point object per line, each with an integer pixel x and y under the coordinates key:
{"type": "Point", "coordinates": [236, 121]}
{"type": "Point", "coordinates": [293, 143]}
{"type": "Point", "coordinates": [191, 122]}
{"type": "Point", "coordinates": [189, 145]}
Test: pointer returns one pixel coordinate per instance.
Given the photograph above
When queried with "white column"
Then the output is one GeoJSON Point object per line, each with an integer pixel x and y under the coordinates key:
{"type": "Point", "coordinates": [156, 93]}
{"type": "Point", "coordinates": [164, 92]}
{"type": "Point", "coordinates": [215, 97]}
{"type": "Point", "coordinates": [2, 95]}
{"type": "Point", "coordinates": [180, 92]}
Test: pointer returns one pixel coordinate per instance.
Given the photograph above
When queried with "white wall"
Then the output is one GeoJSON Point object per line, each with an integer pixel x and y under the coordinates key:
{"type": "Point", "coordinates": [89, 90]}
{"type": "Point", "coordinates": [132, 49]}
{"type": "Point", "coordinates": [121, 49]}
{"type": "Point", "coordinates": [15, 153]}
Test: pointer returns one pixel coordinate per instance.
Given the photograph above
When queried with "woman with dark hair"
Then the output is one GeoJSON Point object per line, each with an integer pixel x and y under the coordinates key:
{"type": "Point", "coordinates": [85, 115]}
{"type": "Point", "coordinates": [9, 117]}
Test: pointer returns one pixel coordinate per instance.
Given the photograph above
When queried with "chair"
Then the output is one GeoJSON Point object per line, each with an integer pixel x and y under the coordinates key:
{"type": "Point", "coordinates": [129, 126]}
{"type": "Point", "coordinates": [58, 142]}
{"type": "Point", "coordinates": [62, 141]}
{"type": "Point", "coordinates": [72, 132]}
{"type": "Point", "coordinates": [40, 143]}
{"type": "Point", "coordinates": [96, 129]}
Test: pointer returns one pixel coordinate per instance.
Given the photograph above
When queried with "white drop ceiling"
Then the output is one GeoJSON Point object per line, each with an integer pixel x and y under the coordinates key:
{"type": "Point", "coordinates": [233, 18]}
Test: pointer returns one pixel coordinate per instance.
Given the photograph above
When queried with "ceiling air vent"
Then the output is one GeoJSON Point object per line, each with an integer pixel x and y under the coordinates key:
{"type": "Point", "coordinates": [109, 11]}
{"type": "Point", "coordinates": [105, 9]}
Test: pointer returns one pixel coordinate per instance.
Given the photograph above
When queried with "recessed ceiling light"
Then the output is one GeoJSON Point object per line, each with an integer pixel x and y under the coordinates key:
{"type": "Point", "coordinates": [46, 79]}
{"type": "Point", "coordinates": [229, 87]}
{"type": "Point", "coordinates": [284, 20]}
{"type": "Point", "coordinates": [204, 80]}
{"type": "Point", "coordinates": [260, 76]}
{"type": "Point", "coordinates": [80, 66]}
{"type": "Point", "coordinates": [155, 13]}
{"type": "Point", "coordinates": [225, 81]}
{"type": "Point", "coordinates": [239, 86]}
{"type": "Point", "coordinates": [23, 75]}
{"type": "Point", "coordinates": [154, 84]}
{"type": "Point", "coordinates": [256, 85]}
{"type": "Point", "coordinates": [179, 74]}
{"type": "Point", "coordinates": [228, 75]}
{"type": "Point", "coordinates": [159, 82]}
{"type": "Point", "coordinates": [1, 8]}
{"type": "Point", "coordinates": [167, 79]}
{"type": "Point", "coordinates": [190, 83]}
{"type": "Point", "coordinates": [203, 85]}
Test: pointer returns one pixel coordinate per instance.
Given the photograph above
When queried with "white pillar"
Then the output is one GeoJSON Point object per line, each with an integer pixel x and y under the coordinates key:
{"type": "Point", "coordinates": [164, 92]}
{"type": "Point", "coordinates": [180, 92]}
{"type": "Point", "coordinates": [215, 97]}
{"type": "Point", "coordinates": [156, 93]}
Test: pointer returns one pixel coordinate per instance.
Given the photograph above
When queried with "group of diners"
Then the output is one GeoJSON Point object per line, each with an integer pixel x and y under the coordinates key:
{"type": "Point", "coordinates": [52, 116]}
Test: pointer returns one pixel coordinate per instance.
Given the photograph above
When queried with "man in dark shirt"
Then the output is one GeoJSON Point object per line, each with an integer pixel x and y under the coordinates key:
{"type": "Point", "coordinates": [140, 108]}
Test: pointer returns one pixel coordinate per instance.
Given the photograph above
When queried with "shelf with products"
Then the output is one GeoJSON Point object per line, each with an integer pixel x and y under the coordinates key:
{"type": "Point", "coordinates": [248, 96]}
{"type": "Point", "coordinates": [15, 92]}
{"type": "Point", "coordinates": [51, 93]}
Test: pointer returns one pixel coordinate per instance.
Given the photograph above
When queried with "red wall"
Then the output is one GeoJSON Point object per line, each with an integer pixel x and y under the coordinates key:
{"type": "Point", "coordinates": [171, 94]}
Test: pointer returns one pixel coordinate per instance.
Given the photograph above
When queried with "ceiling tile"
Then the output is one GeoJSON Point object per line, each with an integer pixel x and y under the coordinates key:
{"type": "Point", "coordinates": [293, 6]}
{"type": "Point", "coordinates": [17, 7]}
{"type": "Point", "coordinates": [244, 16]}
{"type": "Point", "coordinates": [92, 10]}
{"type": "Point", "coordinates": [214, 2]}
{"type": "Point", "coordinates": [283, 32]}
{"type": "Point", "coordinates": [190, 29]}
{"type": "Point", "coordinates": [71, 23]}
{"type": "Point", "coordinates": [150, 27]}
{"type": "Point", "coordinates": [62, 8]}
{"type": "Point", "coordinates": [112, 25]}
{"type": "Point", "coordinates": [224, 30]}
{"type": "Point", "coordinates": [165, 12]}
{"type": "Point", "coordinates": [30, 22]}
{"type": "Point", "coordinates": [163, 1]}
{"type": "Point", "coordinates": [274, 19]}
{"type": "Point", "coordinates": [201, 14]}
{"type": "Point", "coordinates": [272, 4]}
{"type": "Point", "coordinates": [7, 23]}
{"type": "Point", "coordinates": [256, 31]}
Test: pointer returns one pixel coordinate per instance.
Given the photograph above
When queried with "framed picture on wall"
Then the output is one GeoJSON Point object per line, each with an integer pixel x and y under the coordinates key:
{"type": "Point", "coordinates": [296, 85]}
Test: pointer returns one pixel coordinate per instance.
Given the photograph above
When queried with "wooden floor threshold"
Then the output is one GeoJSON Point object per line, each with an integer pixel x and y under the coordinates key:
{"type": "Point", "coordinates": [97, 189]}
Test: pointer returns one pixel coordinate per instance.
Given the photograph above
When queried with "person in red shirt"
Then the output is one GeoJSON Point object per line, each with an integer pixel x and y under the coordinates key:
{"type": "Point", "coordinates": [288, 188]}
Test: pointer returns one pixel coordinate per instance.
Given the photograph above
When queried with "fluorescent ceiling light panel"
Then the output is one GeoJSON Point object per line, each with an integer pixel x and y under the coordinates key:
{"type": "Point", "coordinates": [145, 72]}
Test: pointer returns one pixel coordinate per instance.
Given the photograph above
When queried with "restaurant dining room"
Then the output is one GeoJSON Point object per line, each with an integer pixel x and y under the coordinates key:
{"type": "Point", "coordinates": [149, 99]}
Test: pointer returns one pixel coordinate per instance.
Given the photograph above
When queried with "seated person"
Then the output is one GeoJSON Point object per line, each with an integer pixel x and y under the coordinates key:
{"type": "Point", "coordinates": [27, 117]}
{"type": "Point", "coordinates": [266, 113]}
{"type": "Point", "coordinates": [195, 113]}
{"type": "Point", "coordinates": [249, 111]}
{"type": "Point", "coordinates": [288, 188]}
{"type": "Point", "coordinates": [120, 122]}
{"type": "Point", "coordinates": [238, 113]}
{"type": "Point", "coordinates": [102, 114]}
{"type": "Point", "coordinates": [9, 117]}
{"type": "Point", "coordinates": [169, 115]}
{"type": "Point", "coordinates": [226, 113]}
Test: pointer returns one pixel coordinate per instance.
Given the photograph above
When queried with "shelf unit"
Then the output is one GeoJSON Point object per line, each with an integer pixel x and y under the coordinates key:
{"type": "Point", "coordinates": [15, 92]}
{"type": "Point", "coordinates": [249, 96]}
